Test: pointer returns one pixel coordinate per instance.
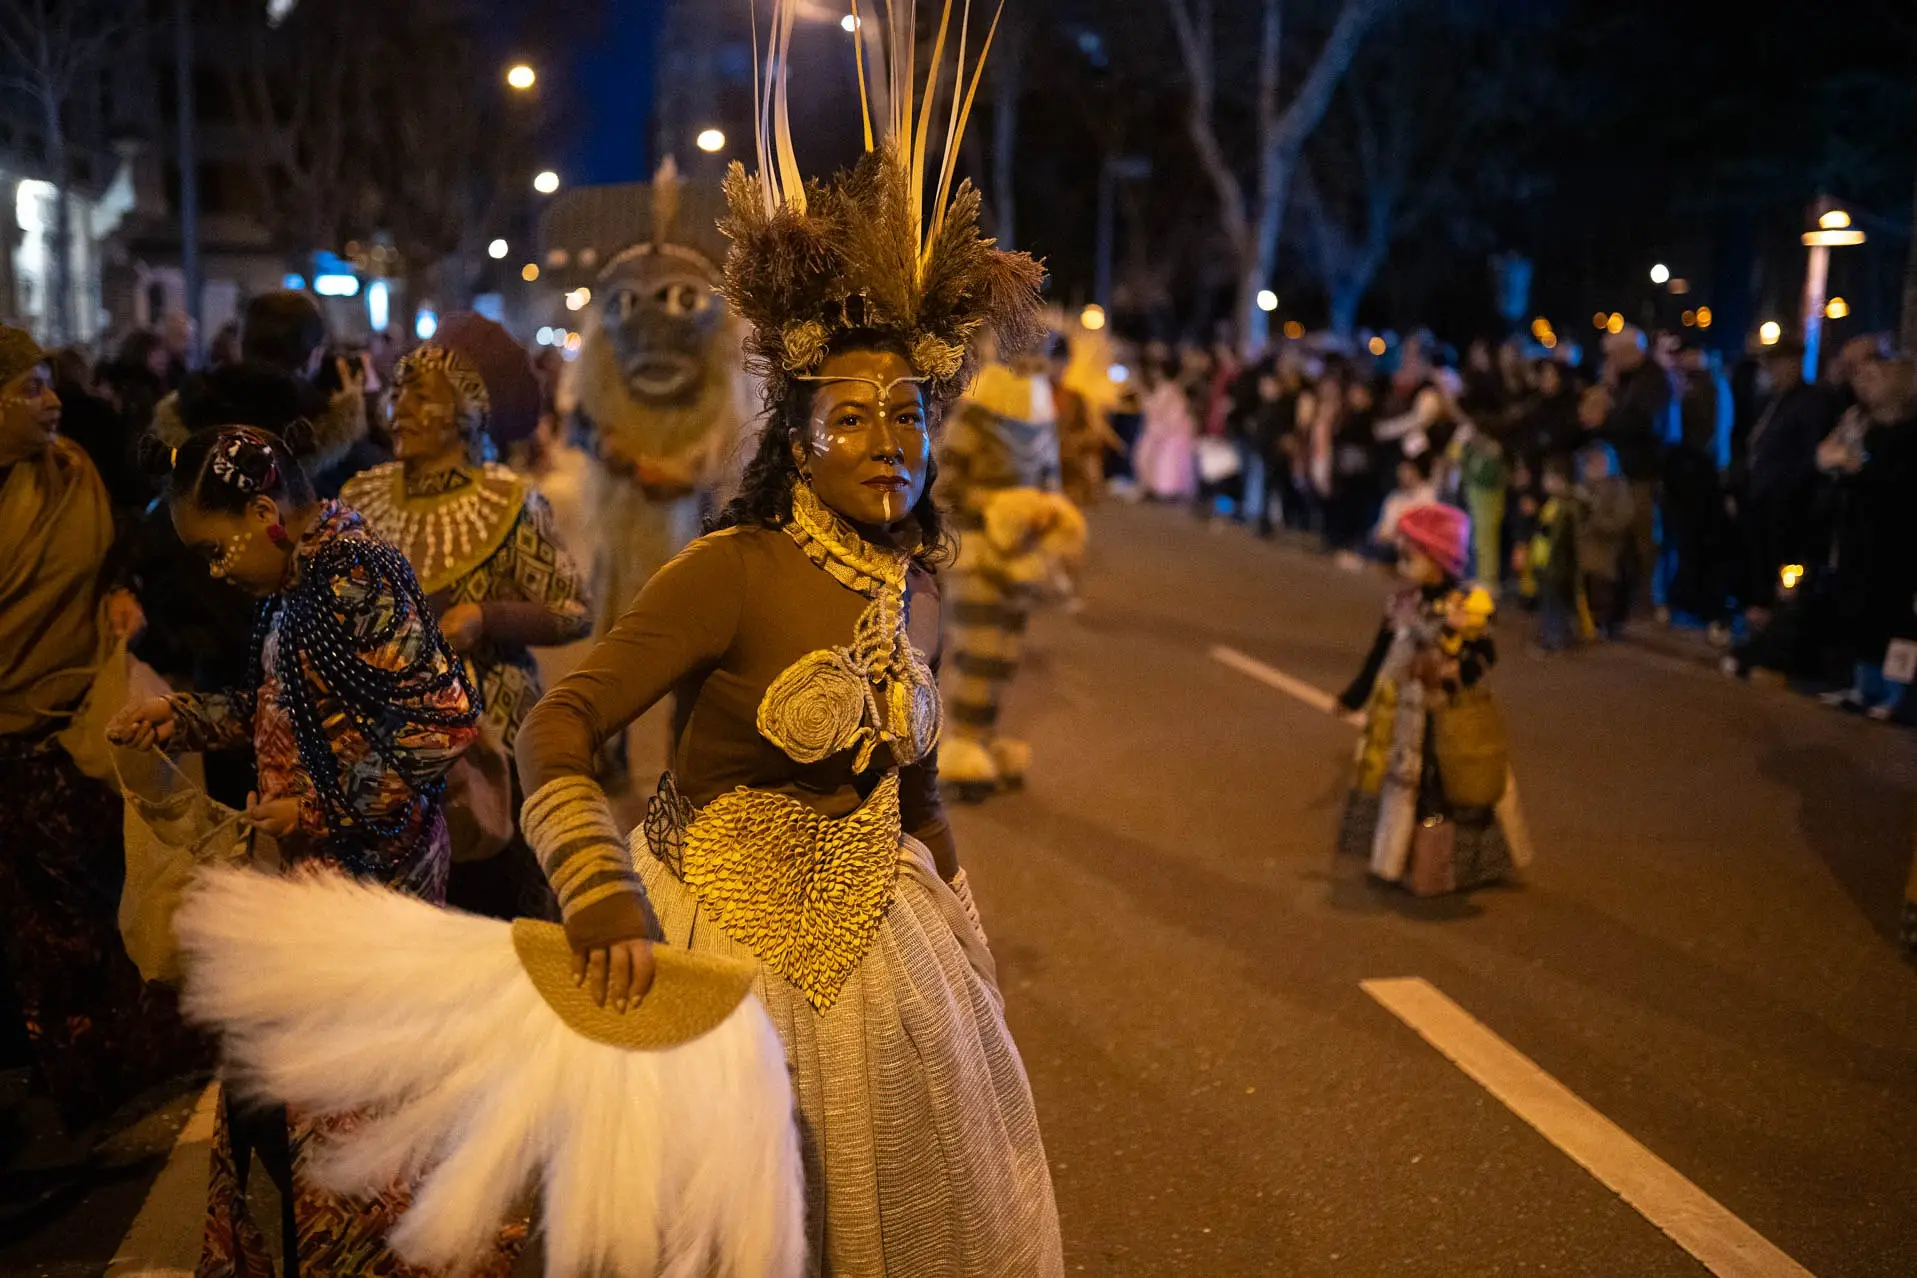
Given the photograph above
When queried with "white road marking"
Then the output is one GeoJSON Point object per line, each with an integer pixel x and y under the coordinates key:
{"type": "Point", "coordinates": [1694, 1220]}
{"type": "Point", "coordinates": [165, 1239]}
{"type": "Point", "coordinates": [1317, 698]}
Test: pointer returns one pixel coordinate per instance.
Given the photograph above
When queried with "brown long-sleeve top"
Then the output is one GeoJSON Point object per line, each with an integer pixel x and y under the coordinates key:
{"type": "Point", "coordinates": [718, 625]}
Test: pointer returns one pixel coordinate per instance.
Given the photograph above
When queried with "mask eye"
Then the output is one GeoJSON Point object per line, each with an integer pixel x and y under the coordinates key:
{"type": "Point", "coordinates": [627, 303]}
{"type": "Point", "coordinates": [681, 299]}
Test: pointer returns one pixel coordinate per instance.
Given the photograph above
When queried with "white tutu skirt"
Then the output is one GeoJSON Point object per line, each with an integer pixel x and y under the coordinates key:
{"type": "Point", "coordinates": [920, 1142]}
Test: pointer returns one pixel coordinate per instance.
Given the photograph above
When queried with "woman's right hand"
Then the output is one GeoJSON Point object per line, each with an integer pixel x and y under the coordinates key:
{"type": "Point", "coordinates": [143, 725]}
{"type": "Point", "coordinates": [617, 975]}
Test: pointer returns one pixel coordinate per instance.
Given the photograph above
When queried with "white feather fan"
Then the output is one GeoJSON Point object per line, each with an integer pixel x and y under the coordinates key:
{"type": "Point", "coordinates": [336, 997]}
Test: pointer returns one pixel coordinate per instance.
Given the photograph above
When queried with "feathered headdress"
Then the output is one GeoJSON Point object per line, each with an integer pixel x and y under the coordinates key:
{"type": "Point", "coordinates": [811, 259]}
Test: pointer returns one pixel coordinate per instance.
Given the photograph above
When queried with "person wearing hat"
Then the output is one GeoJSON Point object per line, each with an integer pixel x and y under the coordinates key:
{"type": "Point", "coordinates": [482, 541]}
{"type": "Point", "coordinates": [97, 1034]}
{"type": "Point", "coordinates": [1433, 807]}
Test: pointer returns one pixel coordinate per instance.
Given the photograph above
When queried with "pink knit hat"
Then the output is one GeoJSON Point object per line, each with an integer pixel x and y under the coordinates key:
{"type": "Point", "coordinates": [1440, 531]}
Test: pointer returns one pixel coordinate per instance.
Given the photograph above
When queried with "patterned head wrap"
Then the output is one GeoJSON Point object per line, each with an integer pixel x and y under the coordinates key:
{"type": "Point", "coordinates": [475, 408]}
{"type": "Point", "coordinates": [244, 459]}
{"type": "Point", "coordinates": [19, 353]}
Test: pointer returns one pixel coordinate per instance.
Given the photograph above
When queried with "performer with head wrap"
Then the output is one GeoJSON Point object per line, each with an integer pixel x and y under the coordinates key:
{"type": "Point", "coordinates": [482, 542]}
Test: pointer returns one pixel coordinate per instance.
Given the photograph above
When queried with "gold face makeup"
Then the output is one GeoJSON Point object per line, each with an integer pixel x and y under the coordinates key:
{"type": "Point", "coordinates": [868, 439]}
{"type": "Point", "coordinates": [424, 411]}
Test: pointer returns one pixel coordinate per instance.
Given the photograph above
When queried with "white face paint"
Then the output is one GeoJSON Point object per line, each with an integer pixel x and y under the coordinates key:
{"type": "Point", "coordinates": [868, 442]}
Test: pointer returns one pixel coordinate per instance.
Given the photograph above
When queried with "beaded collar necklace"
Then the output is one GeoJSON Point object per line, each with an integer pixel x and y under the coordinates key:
{"type": "Point", "coordinates": [446, 525]}
{"type": "Point", "coordinates": [835, 546]}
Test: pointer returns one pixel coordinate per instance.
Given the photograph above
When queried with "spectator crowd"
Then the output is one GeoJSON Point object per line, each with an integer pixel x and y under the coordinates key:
{"type": "Point", "coordinates": [1661, 487]}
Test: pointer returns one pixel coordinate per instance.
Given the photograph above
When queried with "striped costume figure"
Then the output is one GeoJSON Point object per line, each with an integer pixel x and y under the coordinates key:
{"type": "Point", "coordinates": [999, 459]}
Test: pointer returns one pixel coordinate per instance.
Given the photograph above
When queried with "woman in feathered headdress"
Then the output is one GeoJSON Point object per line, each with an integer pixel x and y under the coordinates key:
{"type": "Point", "coordinates": [803, 827]}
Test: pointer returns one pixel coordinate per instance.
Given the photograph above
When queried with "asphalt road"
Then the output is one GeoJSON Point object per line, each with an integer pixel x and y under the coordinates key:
{"type": "Point", "coordinates": [1703, 952]}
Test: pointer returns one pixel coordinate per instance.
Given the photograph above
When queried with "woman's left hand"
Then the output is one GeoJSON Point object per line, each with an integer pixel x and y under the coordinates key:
{"type": "Point", "coordinates": [124, 617]}
{"type": "Point", "coordinates": [464, 625]}
{"type": "Point", "coordinates": [277, 817]}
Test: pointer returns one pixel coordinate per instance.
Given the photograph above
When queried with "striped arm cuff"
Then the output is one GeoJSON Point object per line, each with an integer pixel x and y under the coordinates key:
{"type": "Point", "coordinates": [571, 830]}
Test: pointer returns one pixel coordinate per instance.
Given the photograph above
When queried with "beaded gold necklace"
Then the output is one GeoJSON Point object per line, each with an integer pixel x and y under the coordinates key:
{"type": "Point", "coordinates": [445, 529]}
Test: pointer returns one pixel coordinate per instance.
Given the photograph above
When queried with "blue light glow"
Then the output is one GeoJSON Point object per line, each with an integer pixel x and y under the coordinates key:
{"type": "Point", "coordinates": [336, 285]}
{"type": "Point", "coordinates": [294, 283]}
{"type": "Point", "coordinates": [425, 324]}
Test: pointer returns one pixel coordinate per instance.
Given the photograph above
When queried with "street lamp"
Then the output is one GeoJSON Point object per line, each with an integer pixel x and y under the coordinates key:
{"type": "Point", "coordinates": [1768, 332]}
{"type": "Point", "coordinates": [1833, 231]}
{"type": "Point", "coordinates": [529, 272]}
{"type": "Point", "coordinates": [711, 141]}
{"type": "Point", "coordinates": [849, 22]}
{"type": "Point", "coordinates": [1092, 317]}
{"type": "Point", "coordinates": [579, 299]}
{"type": "Point", "coordinates": [521, 77]}
{"type": "Point", "coordinates": [546, 183]}
{"type": "Point", "coordinates": [1267, 300]}
{"type": "Point", "coordinates": [1660, 274]}
{"type": "Point", "coordinates": [496, 250]}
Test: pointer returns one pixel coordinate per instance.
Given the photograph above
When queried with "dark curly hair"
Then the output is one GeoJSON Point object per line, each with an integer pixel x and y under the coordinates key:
{"type": "Point", "coordinates": [765, 490]}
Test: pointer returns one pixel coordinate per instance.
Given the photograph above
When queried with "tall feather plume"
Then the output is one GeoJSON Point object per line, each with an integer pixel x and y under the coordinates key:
{"type": "Point", "coordinates": [865, 251]}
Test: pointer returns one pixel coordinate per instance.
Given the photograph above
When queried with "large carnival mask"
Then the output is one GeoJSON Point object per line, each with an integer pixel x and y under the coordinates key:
{"type": "Point", "coordinates": [661, 315]}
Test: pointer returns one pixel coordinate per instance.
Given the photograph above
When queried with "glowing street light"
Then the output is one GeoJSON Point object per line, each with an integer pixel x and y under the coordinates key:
{"type": "Point", "coordinates": [521, 77]}
{"type": "Point", "coordinates": [529, 272]}
{"type": "Point", "coordinates": [497, 249]}
{"type": "Point", "coordinates": [1377, 346]}
{"type": "Point", "coordinates": [1267, 300]}
{"type": "Point", "coordinates": [1092, 317]}
{"type": "Point", "coordinates": [1294, 330]}
{"type": "Point", "coordinates": [579, 299]}
{"type": "Point", "coordinates": [1834, 220]}
{"type": "Point", "coordinates": [546, 182]}
{"type": "Point", "coordinates": [1660, 273]}
{"type": "Point", "coordinates": [1769, 331]}
{"type": "Point", "coordinates": [1836, 308]}
{"type": "Point", "coordinates": [1833, 231]}
{"type": "Point", "coordinates": [1703, 317]}
{"type": "Point", "coordinates": [1601, 320]}
{"type": "Point", "coordinates": [711, 141]}
{"type": "Point", "coordinates": [849, 22]}
{"type": "Point", "coordinates": [1615, 324]}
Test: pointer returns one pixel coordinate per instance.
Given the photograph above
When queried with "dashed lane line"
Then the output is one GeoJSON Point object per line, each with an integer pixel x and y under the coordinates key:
{"type": "Point", "coordinates": [1693, 1219]}
{"type": "Point", "coordinates": [164, 1241]}
{"type": "Point", "coordinates": [1272, 677]}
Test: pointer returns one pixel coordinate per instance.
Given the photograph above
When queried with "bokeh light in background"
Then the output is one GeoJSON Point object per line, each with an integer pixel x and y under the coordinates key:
{"type": "Point", "coordinates": [1769, 331]}
{"type": "Point", "coordinates": [546, 183]}
{"type": "Point", "coordinates": [425, 324]}
{"type": "Point", "coordinates": [1377, 346]}
{"type": "Point", "coordinates": [1267, 300]}
{"type": "Point", "coordinates": [521, 77]}
{"type": "Point", "coordinates": [579, 299]}
{"type": "Point", "coordinates": [497, 249]}
{"type": "Point", "coordinates": [1836, 308]}
{"type": "Point", "coordinates": [1660, 273]}
{"type": "Point", "coordinates": [711, 141]}
{"type": "Point", "coordinates": [529, 272]}
{"type": "Point", "coordinates": [1615, 324]}
{"type": "Point", "coordinates": [1092, 317]}
{"type": "Point", "coordinates": [1703, 317]}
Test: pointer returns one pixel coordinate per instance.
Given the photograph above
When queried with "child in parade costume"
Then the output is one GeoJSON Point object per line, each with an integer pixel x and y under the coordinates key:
{"type": "Point", "coordinates": [999, 467]}
{"type": "Point", "coordinates": [357, 711]}
{"type": "Point", "coordinates": [1433, 806]}
{"type": "Point", "coordinates": [482, 543]}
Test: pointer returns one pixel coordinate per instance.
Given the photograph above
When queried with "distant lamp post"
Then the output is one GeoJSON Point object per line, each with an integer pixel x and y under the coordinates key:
{"type": "Point", "coordinates": [1092, 317]}
{"type": "Point", "coordinates": [1833, 231]}
{"type": "Point", "coordinates": [1660, 274]}
{"type": "Point", "coordinates": [1836, 308]}
{"type": "Point", "coordinates": [521, 77]}
{"type": "Point", "coordinates": [497, 249]}
{"type": "Point", "coordinates": [546, 182]}
{"type": "Point", "coordinates": [1768, 332]}
{"type": "Point", "coordinates": [1267, 300]}
{"type": "Point", "coordinates": [711, 141]}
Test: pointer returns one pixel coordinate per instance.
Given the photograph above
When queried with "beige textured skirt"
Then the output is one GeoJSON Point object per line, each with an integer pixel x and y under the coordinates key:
{"type": "Point", "coordinates": [921, 1145]}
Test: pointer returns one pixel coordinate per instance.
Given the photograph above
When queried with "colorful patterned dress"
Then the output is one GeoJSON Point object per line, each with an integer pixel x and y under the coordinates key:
{"type": "Point", "coordinates": [358, 710]}
{"type": "Point", "coordinates": [1400, 785]}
